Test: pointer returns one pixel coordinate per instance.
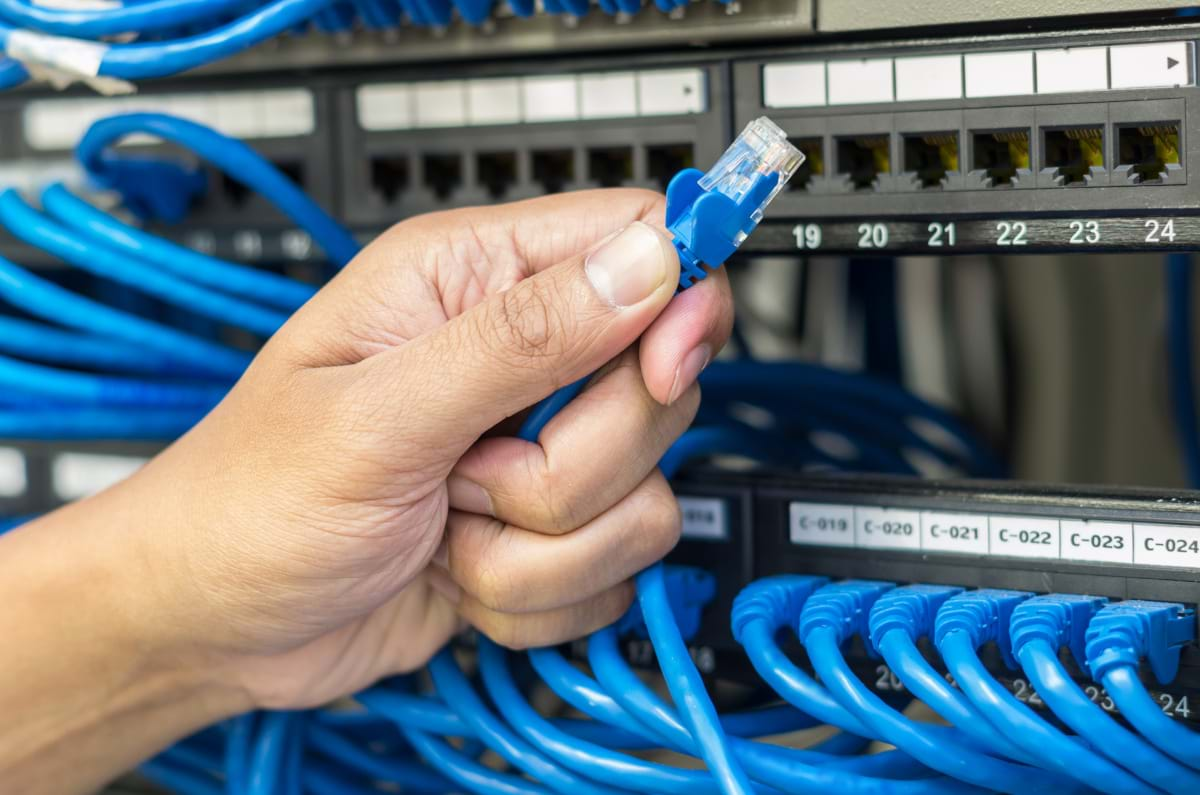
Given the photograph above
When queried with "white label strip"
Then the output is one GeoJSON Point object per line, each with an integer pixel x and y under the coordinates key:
{"type": "Point", "coordinates": [58, 124]}
{"type": "Point", "coordinates": [1002, 535]}
{"type": "Point", "coordinates": [704, 518]}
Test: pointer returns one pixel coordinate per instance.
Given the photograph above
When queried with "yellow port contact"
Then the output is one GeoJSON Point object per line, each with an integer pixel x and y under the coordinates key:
{"type": "Point", "coordinates": [1166, 141]}
{"type": "Point", "coordinates": [1091, 144]}
{"type": "Point", "coordinates": [880, 152]}
{"type": "Point", "coordinates": [814, 155]}
{"type": "Point", "coordinates": [1018, 146]}
{"type": "Point", "coordinates": [947, 148]}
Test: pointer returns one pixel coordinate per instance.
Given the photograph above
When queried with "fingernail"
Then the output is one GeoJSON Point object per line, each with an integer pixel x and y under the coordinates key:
{"type": "Point", "coordinates": [689, 370]}
{"type": "Point", "coordinates": [469, 496]}
{"type": "Point", "coordinates": [630, 267]}
{"type": "Point", "coordinates": [440, 582]}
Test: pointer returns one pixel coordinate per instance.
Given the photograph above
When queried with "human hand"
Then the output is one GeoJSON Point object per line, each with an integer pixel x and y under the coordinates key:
{"type": "Point", "coordinates": [359, 494]}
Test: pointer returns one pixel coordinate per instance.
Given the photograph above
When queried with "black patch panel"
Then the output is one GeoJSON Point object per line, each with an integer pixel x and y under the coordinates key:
{"type": "Point", "coordinates": [742, 528]}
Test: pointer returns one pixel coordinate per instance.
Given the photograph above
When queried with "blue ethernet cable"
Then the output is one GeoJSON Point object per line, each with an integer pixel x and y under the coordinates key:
{"type": "Point", "coordinates": [94, 23]}
{"type": "Point", "coordinates": [103, 390]}
{"type": "Point", "coordinates": [900, 618]}
{"type": "Point", "coordinates": [229, 154]}
{"type": "Point", "coordinates": [454, 687]}
{"type": "Point", "coordinates": [969, 620]}
{"type": "Point", "coordinates": [833, 615]}
{"type": "Point", "coordinates": [139, 61]}
{"type": "Point", "coordinates": [180, 779]}
{"type": "Point", "coordinates": [1039, 627]}
{"type": "Point", "coordinates": [44, 299]}
{"type": "Point", "coordinates": [466, 772]}
{"type": "Point", "coordinates": [267, 755]}
{"type": "Point", "coordinates": [788, 770]}
{"type": "Point", "coordinates": [1181, 372]}
{"type": "Point", "coordinates": [40, 231]}
{"type": "Point", "coordinates": [584, 758]}
{"type": "Point", "coordinates": [267, 288]}
{"type": "Point", "coordinates": [1117, 639]}
{"type": "Point", "coordinates": [73, 422]}
{"type": "Point", "coordinates": [50, 345]}
{"type": "Point", "coordinates": [358, 757]}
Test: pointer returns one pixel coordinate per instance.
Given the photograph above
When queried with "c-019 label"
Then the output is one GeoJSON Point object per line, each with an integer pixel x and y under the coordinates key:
{"type": "Point", "coordinates": [818, 524]}
{"type": "Point", "coordinates": [704, 518]}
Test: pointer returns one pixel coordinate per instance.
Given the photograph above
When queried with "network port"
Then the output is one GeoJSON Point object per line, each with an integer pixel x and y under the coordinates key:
{"type": "Point", "coordinates": [442, 174]}
{"type": "Point", "coordinates": [1073, 154]}
{"type": "Point", "coordinates": [389, 177]}
{"type": "Point", "coordinates": [930, 159]}
{"type": "Point", "coordinates": [1148, 153]}
{"type": "Point", "coordinates": [611, 166]}
{"type": "Point", "coordinates": [496, 172]}
{"type": "Point", "coordinates": [554, 169]}
{"type": "Point", "coordinates": [236, 193]}
{"type": "Point", "coordinates": [664, 161]}
{"type": "Point", "coordinates": [1000, 157]}
{"type": "Point", "coordinates": [813, 166]}
{"type": "Point", "coordinates": [861, 160]}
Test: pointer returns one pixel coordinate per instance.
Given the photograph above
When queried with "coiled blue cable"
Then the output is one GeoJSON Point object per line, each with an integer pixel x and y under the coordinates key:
{"type": "Point", "coordinates": [231, 156]}
{"type": "Point", "coordinates": [271, 289]}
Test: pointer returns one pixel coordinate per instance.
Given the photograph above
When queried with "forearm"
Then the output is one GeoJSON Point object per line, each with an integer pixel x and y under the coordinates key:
{"type": "Point", "coordinates": [93, 676]}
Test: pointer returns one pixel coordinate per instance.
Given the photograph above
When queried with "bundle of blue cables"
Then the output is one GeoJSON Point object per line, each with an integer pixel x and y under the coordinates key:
{"type": "Point", "coordinates": [172, 36]}
{"type": "Point", "coordinates": [76, 367]}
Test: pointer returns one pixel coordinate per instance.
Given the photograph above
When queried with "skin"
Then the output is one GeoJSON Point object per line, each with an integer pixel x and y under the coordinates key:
{"type": "Point", "coordinates": [359, 497]}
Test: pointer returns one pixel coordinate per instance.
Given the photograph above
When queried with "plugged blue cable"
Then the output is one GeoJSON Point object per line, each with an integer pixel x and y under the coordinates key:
{"type": "Point", "coordinates": [94, 23]}
{"type": "Point", "coordinates": [358, 757]}
{"type": "Point", "coordinates": [1039, 628]}
{"type": "Point", "coordinates": [267, 753]}
{"type": "Point", "coordinates": [466, 772]}
{"type": "Point", "coordinates": [1117, 639]}
{"type": "Point", "coordinates": [40, 231]}
{"type": "Point", "coordinates": [50, 345]}
{"type": "Point", "coordinates": [271, 289]}
{"type": "Point", "coordinates": [1181, 371]}
{"type": "Point", "coordinates": [900, 618]}
{"type": "Point", "coordinates": [453, 686]}
{"type": "Point", "coordinates": [231, 155]}
{"type": "Point", "coordinates": [102, 390]}
{"type": "Point", "coordinates": [970, 620]}
{"type": "Point", "coordinates": [69, 423]}
{"type": "Point", "coordinates": [180, 779]}
{"type": "Point", "coordinates": [836, 613]}
{"type": "Point", "coordinates": [44, 299]}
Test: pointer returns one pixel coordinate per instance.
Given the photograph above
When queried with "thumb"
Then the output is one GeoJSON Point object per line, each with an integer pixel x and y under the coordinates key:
{"type": "Point", "coordinates": [510, 351]}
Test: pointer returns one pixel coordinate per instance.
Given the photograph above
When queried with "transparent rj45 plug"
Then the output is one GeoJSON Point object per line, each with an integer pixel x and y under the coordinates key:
{"type": "Point", "coordinates": [761, 149]}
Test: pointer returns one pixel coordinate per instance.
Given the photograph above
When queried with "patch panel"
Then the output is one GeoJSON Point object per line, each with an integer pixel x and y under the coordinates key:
{"type": "Point", "coordinates": [1114, 543]}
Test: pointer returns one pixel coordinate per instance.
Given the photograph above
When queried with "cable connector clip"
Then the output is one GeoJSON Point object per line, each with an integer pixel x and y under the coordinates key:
{"type": "Point", "coordinates": [1124, 632]}
{"type": "Point", "coordinates": [844, 607]}
{"type": "Point", "coordinates": [689, 591]}
{"type": "Point", "coordinates": [711, 214]}
{"type": "Point", "coordinates": [984, 615]}
{"type": "Point", "coordinates": [775, 600]}
{"type": "Point", "coordinates": [1057, 618]}
{"type": "Point", "coordinates": [909, 609]}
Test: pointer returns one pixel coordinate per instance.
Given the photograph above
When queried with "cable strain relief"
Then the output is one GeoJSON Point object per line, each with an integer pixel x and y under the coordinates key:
{"type": "Point", "coordinates": [776, 601]}
{"type": "Point", "coordinates": [842, 607]}
{"type": "Point", "coordinates": [909, 609]}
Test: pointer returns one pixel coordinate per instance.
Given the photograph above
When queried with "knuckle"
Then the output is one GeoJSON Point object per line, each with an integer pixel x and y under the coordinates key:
{"type": "Point", "coordinates": [495, 589]}
{"type": "Point", "coordinates": [511, 632]}
{"type": "Point", "coordinates": [661, 520]}
{"type": "Point", "coordinates": [528, 322]}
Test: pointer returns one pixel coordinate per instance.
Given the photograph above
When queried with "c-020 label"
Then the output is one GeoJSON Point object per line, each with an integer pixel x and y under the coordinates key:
{"type": "Point", "coordinates": [819, 524]}
{"type": "Point", "coordinates": [887, 528]}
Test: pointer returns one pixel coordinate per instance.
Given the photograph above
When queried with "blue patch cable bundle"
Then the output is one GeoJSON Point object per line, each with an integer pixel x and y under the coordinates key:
{"type": "Point", "coordinates": [108, 46]}
{"type": "Point", "coordinates": [74, 367]}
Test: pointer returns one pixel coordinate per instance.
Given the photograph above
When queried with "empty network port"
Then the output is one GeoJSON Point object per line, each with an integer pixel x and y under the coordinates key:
{"type": "Point", "coordinates": [389, 177]}
{"type": "Point", "coordinates": [1072, 153]}
{"type": "Point", "coordinates": [442, 174]}
{"type": "Point", "coordinates": [813, 166]}
{"type": "Point", "coordinates": [1000, 157]}
{"type": "Point", "coordinates": [862, 159]}
{"type": "Point", "coordinates": [930, 159]}
{"type": "Point", "coordinates": [236, 194]}
{"type": "Point", "coordinates": [1148, 153]}
{"type": "Point", "coordinates": [664, 161]}
{"type": "Point", "coordinates": [496, 172]}
{"type": "Point", "coordinates": [611, 166]}
{"type": "Point", "coordinates": [554, 169]}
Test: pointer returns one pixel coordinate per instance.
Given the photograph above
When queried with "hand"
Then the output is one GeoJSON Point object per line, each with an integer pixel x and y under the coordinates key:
{"type": "Point", "coordinates": [359, 494]}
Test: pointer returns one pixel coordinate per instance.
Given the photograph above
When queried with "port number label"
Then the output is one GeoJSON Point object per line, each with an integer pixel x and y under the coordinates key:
{"type": "Point", "coordinates": [1085, 232]}
{"type": "Point", "coordinates": [887, 528]}
{"type": "Point", "coordinates": [1166, 545]}
{"type": "Point", "coordinates": [1024, 537]}
{"type": "Point", "coordinates": [872, 235]}
{"type": "Point", "coordinates": [1104, 542]}
{"type": "Point", "coordinates": [808, 236]}
{"type": "Point", "coordinates": [954, 532]}
{"type": "Point", "coordinates": [1174, 706]}
{"type": "Point", "coordinates": [821, 525]}
{"type": "Point", "coordinates": [1157, 233]}
{"type": "Point", "coordinates": [886, 681]}
{"type": "Point", "coordinates": [704, 518]}
{"type": "Point", "coordinates": [942, 235]}
{"type": "Point", "coordinates": [1011, 233]}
